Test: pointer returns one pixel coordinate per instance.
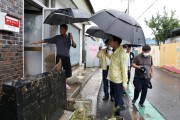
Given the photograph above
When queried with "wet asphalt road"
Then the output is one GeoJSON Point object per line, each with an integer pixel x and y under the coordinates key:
{"type": "Point", "coordinates": [105, 108]}
{"type": "Point", "coordinates": [165, 97]}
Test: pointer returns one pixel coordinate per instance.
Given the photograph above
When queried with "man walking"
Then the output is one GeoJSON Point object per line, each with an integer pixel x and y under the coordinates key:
{"type": "Point", "coordinates": [131, 57]}
{"type": "Point", "coordinates": [105, 61]}
{"type": "Point", "coordinates": [143, 65]}
{"type": "Point", "coordinates": [63, 43]}
{"type": "Point", "coordinates": [117, 73]}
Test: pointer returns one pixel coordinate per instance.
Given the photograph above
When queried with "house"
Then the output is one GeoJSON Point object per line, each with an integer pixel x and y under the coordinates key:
{"type": "Point", "coordinates": [174, 36]}
{"type": "Point", "coordinates": [18, 57]}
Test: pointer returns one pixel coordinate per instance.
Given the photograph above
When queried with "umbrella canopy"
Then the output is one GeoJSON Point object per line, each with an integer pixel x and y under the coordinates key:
{"type": "Point", "coordinates": [95, 31]}
{"type": "Point", "coordinates": [119, 24]}
{"type": "Point", "coordinates": [66, 16]}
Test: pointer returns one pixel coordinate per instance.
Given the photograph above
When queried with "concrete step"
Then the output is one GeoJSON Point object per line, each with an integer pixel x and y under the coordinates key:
{"type": "Point", "coordinates": [77, 83]}
{"type": "Point", "coordinates": [66, 116]}
{"type": "Point", "coordinates": [90, 93]}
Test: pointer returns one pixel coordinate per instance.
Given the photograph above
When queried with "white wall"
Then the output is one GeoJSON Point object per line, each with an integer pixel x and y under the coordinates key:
{"type": "Point", "coordinates": [92, 47]}
{"type": "Point", "coordinates": [64, 4]}
{"type": "Point", "coordinates": [173, 40]}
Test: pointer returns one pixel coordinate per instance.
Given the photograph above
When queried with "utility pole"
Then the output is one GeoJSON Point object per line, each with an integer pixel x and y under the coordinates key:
{"type": "Point", "coordinates": [128, 4]}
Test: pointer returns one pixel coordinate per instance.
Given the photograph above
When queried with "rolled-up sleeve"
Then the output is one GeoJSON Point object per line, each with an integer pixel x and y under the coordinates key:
{"type": "Point", "coordinates": [135, 60]}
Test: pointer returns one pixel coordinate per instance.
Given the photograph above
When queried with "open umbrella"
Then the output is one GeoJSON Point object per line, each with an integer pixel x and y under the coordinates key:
{"type": "Point", "coordinates": [119, 24]}
{"type": "Point", "coordinates": [95, 31]}
{"type": "Point", "coordinates": [66, 16]}
{"type": "Point", "coordinates": [133, 45]}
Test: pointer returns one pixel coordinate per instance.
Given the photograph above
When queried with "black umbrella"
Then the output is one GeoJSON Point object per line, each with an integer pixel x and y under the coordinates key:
{"type": "Point", "coordinates": [95, 31]}
{"type": "Point", "coordinates": [66, 16]}
{"type": "Point", "coordinates": [133, 45]}
{"type": "Point", "coordinates": [119, 24]}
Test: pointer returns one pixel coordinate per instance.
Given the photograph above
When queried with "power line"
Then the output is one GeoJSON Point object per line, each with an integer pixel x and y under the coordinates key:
{"type": "Point", "coordinates": [147, 9]}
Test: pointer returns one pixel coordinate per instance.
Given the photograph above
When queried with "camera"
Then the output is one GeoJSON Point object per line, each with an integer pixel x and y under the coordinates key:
{"type": "Point", "coordinates": [143, 69]}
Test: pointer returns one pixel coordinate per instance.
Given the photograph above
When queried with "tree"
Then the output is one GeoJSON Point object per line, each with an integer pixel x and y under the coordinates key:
{"type": "Point", "coordinates": [162, 25]}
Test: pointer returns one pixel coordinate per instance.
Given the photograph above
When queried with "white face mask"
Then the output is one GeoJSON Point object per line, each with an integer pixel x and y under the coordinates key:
{"type": "Point", "coordinates": [125, 50]}
{"type": "Point", "coordinates": [146, 54]}
{"type": "Point", "coordinates": [109, 47]}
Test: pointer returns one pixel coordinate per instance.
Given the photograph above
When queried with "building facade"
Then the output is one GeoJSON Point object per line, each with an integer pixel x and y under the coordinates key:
{"type": "Point", "coordinates": [18, 57]}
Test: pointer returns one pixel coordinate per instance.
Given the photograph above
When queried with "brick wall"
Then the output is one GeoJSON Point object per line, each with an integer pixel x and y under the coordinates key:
{"type": "Point", "coordinates": [11, 44]}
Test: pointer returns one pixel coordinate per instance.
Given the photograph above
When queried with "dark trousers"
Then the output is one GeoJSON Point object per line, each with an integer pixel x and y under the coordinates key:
{"type": "Point", "coordinates": [118, 92]}
{"type": "Point", "coordinates": [140, 85]}
{"type": "Point", "coordinates": [106, 84]}
{"type": "Point", "coordinates": [66, 64]}
{"type": "Point", "coordinates": [129, 75]}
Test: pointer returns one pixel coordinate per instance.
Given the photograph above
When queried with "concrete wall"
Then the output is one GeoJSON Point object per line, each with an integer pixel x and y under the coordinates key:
{"type": "Point", "coordinates": [64, 4]}
{"type": "Point", "coordinates": [166, 56]}
{"type": "Point", "coordinates": [11, 44]}
{"type": "Point", "coordinates": [82, 4]}
{"type": "Point", "coordinates": [170, 57]}
{"type": "Point", "coordinates": [155, 52]}
{"type": "Point", "coordinates": [92, 47]}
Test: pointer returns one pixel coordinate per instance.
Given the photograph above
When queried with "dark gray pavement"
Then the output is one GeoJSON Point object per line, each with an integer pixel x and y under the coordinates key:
{"type": "Point", "coordinates": [105, 108]}
{"type": "Point", "coordinates": [165, 95]}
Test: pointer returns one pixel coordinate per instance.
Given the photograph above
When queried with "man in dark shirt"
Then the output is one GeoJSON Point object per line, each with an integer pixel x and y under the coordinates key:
{"type": "Point", "coordinates": [143, 65]}
{"type": "Point", "coordinates": [63, 43]}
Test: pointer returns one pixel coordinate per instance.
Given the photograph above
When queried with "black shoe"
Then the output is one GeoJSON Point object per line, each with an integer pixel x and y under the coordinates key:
{"type": "Point", "coordinates": [112, 99]}
{"type": "Point", "coordinates": [124, 93]}
{"type": "Point", "coordinates": [133, 101]}
{"type": "Point", "coordinates": [141, 105]}
{"type": "Point", "coordinates": [105, 98]}
{"type": "Point", "coordinates": [117, 114]}
{"type": "Point", "coordinates": [123, 107]}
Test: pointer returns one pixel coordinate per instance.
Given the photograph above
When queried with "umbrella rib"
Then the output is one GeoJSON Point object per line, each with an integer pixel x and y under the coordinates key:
{"type": "Point", "coordinates": [112, 22]}
{"type": "Point", "coordinates": [119, 18]}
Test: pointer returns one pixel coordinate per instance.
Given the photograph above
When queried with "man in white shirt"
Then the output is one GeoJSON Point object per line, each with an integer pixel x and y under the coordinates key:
{"type": "Point", "coordinates": [105, 62]}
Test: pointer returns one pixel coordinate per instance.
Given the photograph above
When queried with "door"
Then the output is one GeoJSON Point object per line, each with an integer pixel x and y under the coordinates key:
{"type": "Point", "coordinates": [32, 32]}
{"type": "Point", "coordinates": [48, 50]}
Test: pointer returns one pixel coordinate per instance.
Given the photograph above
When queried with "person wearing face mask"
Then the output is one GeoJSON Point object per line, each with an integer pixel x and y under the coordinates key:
{"type": "Point", "coordinates": [105, 62]}
{"type": "Point", "coordinates": [143, 65]}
